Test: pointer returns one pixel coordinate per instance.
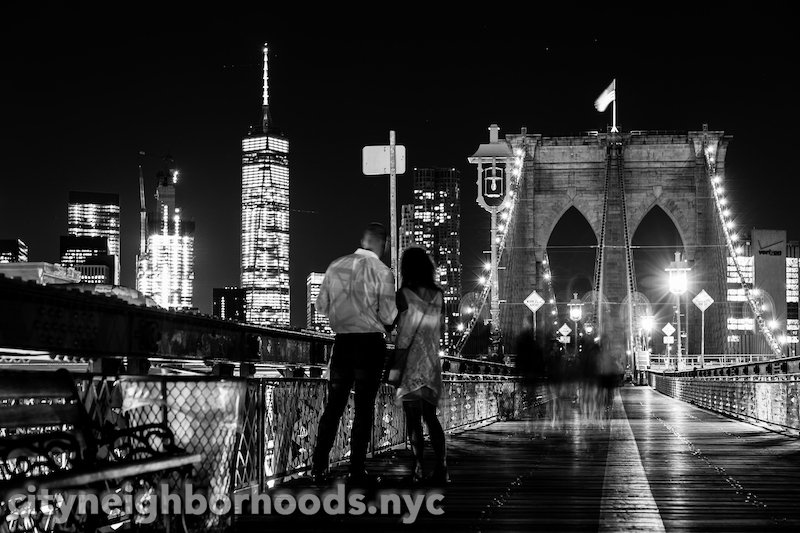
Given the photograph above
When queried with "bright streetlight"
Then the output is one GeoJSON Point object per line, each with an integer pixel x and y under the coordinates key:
{"type": "Point", "coordinates": [678, 284]}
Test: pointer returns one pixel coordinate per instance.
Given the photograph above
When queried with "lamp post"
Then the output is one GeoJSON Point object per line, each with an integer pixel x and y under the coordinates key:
{"type": "Point", "coordinates": [575, 312]}
{"type": "Point", "coordinates": [678, 285]}
{"type": "Point", "coordinates": [492, 160]}
{"type": "Point", "coordinates": [647, 323]}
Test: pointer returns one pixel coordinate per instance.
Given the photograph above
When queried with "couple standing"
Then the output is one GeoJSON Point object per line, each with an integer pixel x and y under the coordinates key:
{"type": "Point", "coordinates": [358, 297]}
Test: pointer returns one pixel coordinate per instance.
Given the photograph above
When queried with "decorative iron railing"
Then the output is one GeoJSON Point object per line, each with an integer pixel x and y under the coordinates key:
{"type": "Point", "coordinates": [769, 400]}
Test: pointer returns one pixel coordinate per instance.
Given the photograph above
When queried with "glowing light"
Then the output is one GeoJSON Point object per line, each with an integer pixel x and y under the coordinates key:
{"type": "Point", "coordinates": [487, 266]}
{"type": "Point", "coordinates": [497, 240]}
{"type": "Point", "coordinates": [773, 324]}
{"type": "Point", "coordinates": [553, 312]}
{"type": "Point", "coordinates": [552, 300]}
{"type": "Point", "coordinates": [504, 216]}
{"type": "Point", "coordinates": [460, 327]}
{"type": "Point", "coordinates": [547, 275]}
{"type": "Point", "coordinates": [519, 152]}
{"type": "Point", "coordinates": [588, 329]}
{"type": "Point", "coordinates": [723, 201]}
{"type": "Point", "coordinates": [756, 292]}
{"type": "Point", "coordinates": [648, 323]}
{"type": "Point", "coordinates": [501, 227]}
{"type": "Point", "coordinates": [729, 224]}
{"type": "Point", "coordinates": [763, 307]}
{"type": "Point", "coordinates": [512, 192]}
{"type": "Point", "coordinates": [555, 322]}
{"type": "Point", "coordinates": [482, 280]}
{"type": "Point", "coordinates": [469, 310]}
{"type": "Point", "coordinates": [734, 237]}
{"type": "Point", "coordinates": [441, 353]}
{"type": "Point", "coordinates": [720, 189]}
{"type": "Point", "coordinates": [717, 179]}
{"type": "Point", "coordinates": [739, 250]}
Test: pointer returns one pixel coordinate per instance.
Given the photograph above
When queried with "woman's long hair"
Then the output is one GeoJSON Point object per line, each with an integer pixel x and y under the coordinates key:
{"type": "Point", "coordinates": [417, 269]}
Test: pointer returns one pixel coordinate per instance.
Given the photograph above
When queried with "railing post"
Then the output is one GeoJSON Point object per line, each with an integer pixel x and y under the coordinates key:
{"type": "Point", "coordinates": [261, 413]}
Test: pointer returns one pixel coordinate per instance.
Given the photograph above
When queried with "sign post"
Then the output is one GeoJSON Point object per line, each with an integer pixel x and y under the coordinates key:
{"type": "Point", "coordinates": [534, 302]}
{"type": "Point", "coordinates": [668, 330]}
{"type": "Point", "coordinates": [703, 301]}
{"type": "Point", "coordinates": [391, 160]}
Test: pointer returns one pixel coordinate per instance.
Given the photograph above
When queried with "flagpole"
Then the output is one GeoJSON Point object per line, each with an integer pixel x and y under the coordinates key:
{"type": "Point", "coordinates": [614, 116]}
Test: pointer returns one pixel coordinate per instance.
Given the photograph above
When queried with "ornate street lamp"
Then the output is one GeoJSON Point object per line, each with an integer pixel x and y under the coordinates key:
{"type": "Point", "coordinates": [575, 307]}
{"type": "Point", "coordinates": [493, 159]}
{"type": "Point", "coordinates": [678, 285]}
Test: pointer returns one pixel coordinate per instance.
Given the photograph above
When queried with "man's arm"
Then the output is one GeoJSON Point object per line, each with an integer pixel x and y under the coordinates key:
{"type": "Point", "coordinates": [323, 298]}
{"type": "Point", "coordinates": [387, 306]}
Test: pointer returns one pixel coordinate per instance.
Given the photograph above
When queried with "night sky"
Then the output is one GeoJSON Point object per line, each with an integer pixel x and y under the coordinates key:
{"type": "Point", "coordinates": [89, 90]}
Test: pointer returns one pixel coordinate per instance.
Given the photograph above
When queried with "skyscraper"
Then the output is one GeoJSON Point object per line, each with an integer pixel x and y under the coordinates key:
{"type": "Point", "coordinates": [79, 251]}
{"type": "Point", "coordinates": [406, 233]}
{"type": "Point", "coordinates": [13, 251]}
{"type": "Point", "coordinates": [769, 265]}
{"type": "Point", "coordinates": [92, 214]}
{"type": "Point", "coordinates": [437, 222]}
{"type": "Point", "coordinates": [228, 303]}
{"type": "Point", "coordinates": [265, 220]}
{"type": "Point", "coordinates": [315, 320]}
{"type": "Point", "coordinates": [166, 267]}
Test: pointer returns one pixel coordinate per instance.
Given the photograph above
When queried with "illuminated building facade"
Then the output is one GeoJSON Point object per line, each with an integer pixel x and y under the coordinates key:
{"type": "Point", "coordinates": [315, 320]}
{"type": "Point", "coordinates": [96, 273]}
{"type": "Point", "coordinates": [13, 251]}
{"type": "Point", "coordinates": [265, 221]}
{"type": "Point", "coordinates": [166, 268]}
{"type": "Point", "coordinates": [77, 251]}
{"type": "Point", "coordinates": [406, 233]}
{"type": "Point", "coordinates": [769, 265]}
{"type": "Point", "coordinates": [437, 223]}
{"type": "Point", "coordinates": [92, 214]}
{"type": "Point", "coordinates": [228, 303]}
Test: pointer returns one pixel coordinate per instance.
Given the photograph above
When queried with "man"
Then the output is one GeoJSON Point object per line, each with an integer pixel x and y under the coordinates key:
{"type": "Point", "coordinates": [358, 297]}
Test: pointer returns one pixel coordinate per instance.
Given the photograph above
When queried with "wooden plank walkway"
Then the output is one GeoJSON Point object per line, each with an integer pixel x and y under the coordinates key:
{"type": "Point", "coordinates": [654, 464]}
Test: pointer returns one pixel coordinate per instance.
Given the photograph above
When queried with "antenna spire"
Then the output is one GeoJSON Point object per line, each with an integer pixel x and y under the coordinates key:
{"type": "Point", "coordinates": [265, 116]}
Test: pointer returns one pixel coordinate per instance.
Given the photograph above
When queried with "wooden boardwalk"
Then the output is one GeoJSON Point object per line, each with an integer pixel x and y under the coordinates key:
{"type": "Point", "coordinates": [655, 464]}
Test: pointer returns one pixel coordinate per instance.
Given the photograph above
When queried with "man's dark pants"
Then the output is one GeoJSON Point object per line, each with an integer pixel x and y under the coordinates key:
{"type": "Point", "coordinates": [357, 359]}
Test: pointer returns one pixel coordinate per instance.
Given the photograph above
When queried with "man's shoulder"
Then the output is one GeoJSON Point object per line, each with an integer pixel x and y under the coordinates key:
{"type": "Point", "coordinates": [349, 258]}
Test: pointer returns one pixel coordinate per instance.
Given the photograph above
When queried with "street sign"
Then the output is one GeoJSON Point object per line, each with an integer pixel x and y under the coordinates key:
{"type": "Point", "coordinates": [375, 160]}
{"type": "Point", "coordinates": [534, 301]}
{"type": "Point", "coordinates": [669, 329]}
{"type": "Point", "coordinates": [703, 300]}
{"type": "Point", "coordinates": [565, 330]}
{"type": "Point", "coordinates": [564, 340]}
{"type": "Point", "coordinates": [669, 339]}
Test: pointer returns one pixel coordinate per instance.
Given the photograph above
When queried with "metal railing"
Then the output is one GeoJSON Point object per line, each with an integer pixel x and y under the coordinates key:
{"type": "Point", "coordinates": [255, 432]}
{"type": "Point", "coordinates": [768, 400]}
{"type": "Point", "coordinates": [279, 427]}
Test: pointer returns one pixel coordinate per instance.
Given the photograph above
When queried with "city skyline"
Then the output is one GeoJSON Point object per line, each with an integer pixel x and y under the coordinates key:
{"type": "Point", "coordinates": [330, 108]}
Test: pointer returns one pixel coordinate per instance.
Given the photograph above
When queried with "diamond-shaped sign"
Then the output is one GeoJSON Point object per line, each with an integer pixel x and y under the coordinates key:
{"type": "Point", "coordinates": [534, 301]}
{"type": "Point", "coordinates": [668, 329]}
{"type": "Point", "coordinates": [565, 330]}
{"type": "Point", "coordinates": [703, 300]}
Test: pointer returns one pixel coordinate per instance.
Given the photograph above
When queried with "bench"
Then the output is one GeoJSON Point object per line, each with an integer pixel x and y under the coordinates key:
{"type": "Point", "coordinates": [48, 442]}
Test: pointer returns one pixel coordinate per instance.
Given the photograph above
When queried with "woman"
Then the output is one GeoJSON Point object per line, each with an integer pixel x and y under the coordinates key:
{"type": "Point", "coordinates": [420, 304]}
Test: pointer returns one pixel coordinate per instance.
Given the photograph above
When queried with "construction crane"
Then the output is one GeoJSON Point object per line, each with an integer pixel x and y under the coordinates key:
{"type": "Point", "coordinates": [170, 163]}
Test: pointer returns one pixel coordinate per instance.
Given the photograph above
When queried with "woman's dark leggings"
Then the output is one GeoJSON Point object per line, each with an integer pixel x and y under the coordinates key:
{"type": "Point", "coordinates": [416, 411]}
